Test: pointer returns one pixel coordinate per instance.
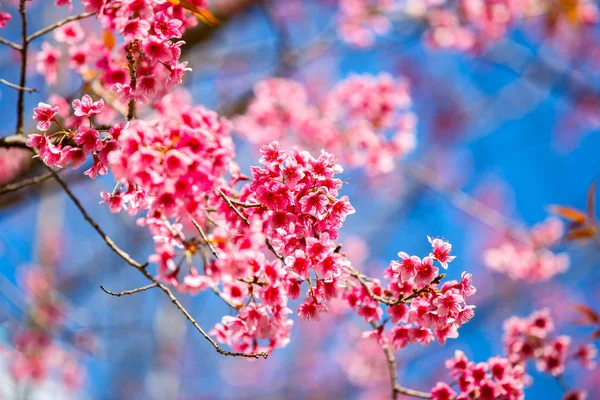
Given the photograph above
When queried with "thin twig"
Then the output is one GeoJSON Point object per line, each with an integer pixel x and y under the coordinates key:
{"type": "Point", "coordinates": [245, 205]}
{"type": "Point", "coordinates": [13, 187]}
{"type": "Point", "coordinates": [395, 386]}
{"type": "Point", "coordinates": [270, 247]}
{"type": "Point", "coordinates": [12, 85]}
{"type": "Point", "coordinates": [58, 25]}
{"type": "Point", "coordinates": [204, 237]}
{"type": "Point", "coordinates": [230, 204]}
{"type": "Point", "coordinates": [142, 269]}
{"type": "Point", "coordinates": [13, 45]}
{"type": "Point", "coordinates": [128, 292]}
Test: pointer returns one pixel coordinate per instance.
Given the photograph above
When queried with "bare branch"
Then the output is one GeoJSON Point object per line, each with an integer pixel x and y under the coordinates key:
{"type": "Point", "coordinates": [13, 141]}
{"type": "Point", "coordinates": [128, 292]}
{"type": "Point", "coordinates": [204, 237]}
{"type": "Point", "coordinates": [13, 187]}
{"type": "Point", "coordinates": [22, 79]}
{"type": "Point", "coordinates": [142, 269]}
{"type": "Point", "coordinates": [13, 45]}
{"type": "Point", "coordinates": [396, 388]}
{"type": "Point", "coordinates": [230, 204]}
{"type": "Point", "coordinates": [12, 85]}
{"type": "Point", "coordinates": [52, 27]}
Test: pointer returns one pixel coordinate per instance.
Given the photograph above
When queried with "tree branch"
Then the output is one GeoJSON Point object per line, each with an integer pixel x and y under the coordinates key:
{"type": "Point", "coordinates": [13, 187]}
{"type": "Point", "coordinates": [395, 386]}
{"type": "Point", "coordinates": [128, 292]}
{"type": "Point", "coordinates": [142, 269]}
{"type": "Point", "coordinates": [24, 48]}
{"type": "Point", "coordinates": [13, 141]}
{"type": "Point", "coordinates": [12, 85]}
{"type": "Point", "coordinates": [60, 23]}
{"type": "Point", "coordinates": [13, 45]}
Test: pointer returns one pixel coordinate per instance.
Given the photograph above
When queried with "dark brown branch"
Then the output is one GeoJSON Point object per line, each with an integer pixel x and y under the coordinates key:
{"type": "Point", "coordinates": [13, 45]}
{"type": "Point", "coordinates": [23, 77]}
{"type": "Point", "coordinates": [128, 292]}
{"type": "Point", "coordinates": [13, 187]}
{"type": "Point", "coordinates": [13, 141]}
{"type": "Point", "coordinates": [60, 23]}
{"type": "Point", "coordinates": [17, 87]}
{"type": "Point", "coordinates": [230, 204]}
{"type": "Point", "coordinates": [205, 238]}
{"type": "Point", "coordinates": [390, 302]}
{"type": "Point", "coordinates": [395, 386]}
{"type": "Point", "coordinates": [133, 77]}
{"type": "Point", "coordinates": [142, 269]}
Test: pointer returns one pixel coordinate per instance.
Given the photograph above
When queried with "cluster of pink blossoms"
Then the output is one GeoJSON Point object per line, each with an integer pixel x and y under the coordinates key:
{"type": "Point", "coordinates": [37, 354]}
{"type": "Point", "coordinates": [426, 309]}
{"type": "Point", "coordinates": [466, 25]}
{"type": "Point", "coordinates": [150, 29]}
{"type": "Point", "coordinates": [361, 20]}
{"type": "Point", "coordinates": [529, 339]}
{"type": "Point", "coordinates": [529, 255]}
{"type": "Point", "coordinates": [73, 147]}
{"type": "Point", "coordinates": [506, 377]}
{"type": "Point", "coordinates": [364, 120]}
{"type": "Point", "coordinates": [299, 214]}
{"type": "Point", "coordinates": [495, 379]}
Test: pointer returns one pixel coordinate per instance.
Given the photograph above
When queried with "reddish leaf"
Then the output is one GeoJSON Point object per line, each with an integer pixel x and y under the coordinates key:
{"type": "Point", "coordinates": [204, 15]}
{"type": "Point", "coordinates": [582, 232]}
{"type": "Point", "coordinates": [596, 334]}
{"type": "Point", "coordinates": [590, 316]}
{"type": "Point", "coordinates": [591, 201]}
{"type": "Point", "coordinates": [569, 213]}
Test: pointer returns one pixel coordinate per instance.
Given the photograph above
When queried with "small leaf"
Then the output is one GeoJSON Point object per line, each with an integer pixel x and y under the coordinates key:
{"type": "Point", "coordinates": [591, 201]}
{"type": "Point", "coordinates": [203, 14]}
{"type": "Point", "coordinates": [589, 315]}
{"type": "Point", "coordinates": [581, 232]}
{"type": "Point", "coordinates": [568, 213]}
{"type": "Point", "coordinates": [596, 334]}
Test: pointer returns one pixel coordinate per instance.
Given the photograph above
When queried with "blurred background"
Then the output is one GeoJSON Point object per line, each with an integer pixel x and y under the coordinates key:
{"type": "Point", "coordinates": [512, 125]}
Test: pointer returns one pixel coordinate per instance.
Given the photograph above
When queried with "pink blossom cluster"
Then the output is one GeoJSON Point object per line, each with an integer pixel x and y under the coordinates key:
{"type": "Point", "coordinates": [38, 355]}
{"type": "Point", "coordinates": [151, 30]}
{"type": "Point", "coordinates": [364, 120]}
{"type": "Point", "coordinates": [495, 379]}
{"type": "Point", "coordinates": [506, 377]}
{"type": "Point", "coordinates": [466, 25]}
{"type": "Point", "coordinates": [299, 214]}
{"type": "Point", "coordinates": [73, 146]}
{"type": "Point", "coordinates": [425, 310]}
{"type": "Point", "coordinates": [361, 20]}
{"type": "Point", "coordinates": [528, 256]}
{"type": "Point", "coordinates": [529, 339]}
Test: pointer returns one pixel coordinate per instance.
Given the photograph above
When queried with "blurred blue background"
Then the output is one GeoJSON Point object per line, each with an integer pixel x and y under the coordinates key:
{"type": "Point", "coordinates": [504, 134]}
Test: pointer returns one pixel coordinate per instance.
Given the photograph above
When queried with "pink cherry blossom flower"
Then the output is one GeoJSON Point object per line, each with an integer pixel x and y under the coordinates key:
{"type": "Point", "coordinates": [44, 114]}
{"type": "Point", "coordinates": [426, 272]}
{"type": "Point", "coordinates": [114, 201]}
{"type": "Point", "coordinates": [441, 251]}
{"type": "Point", "coordinates": [47, 62]}
{"type": "Point", "coordinates": [86, 107]}
{"type": "Point", "coordinates": [310, 310]}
